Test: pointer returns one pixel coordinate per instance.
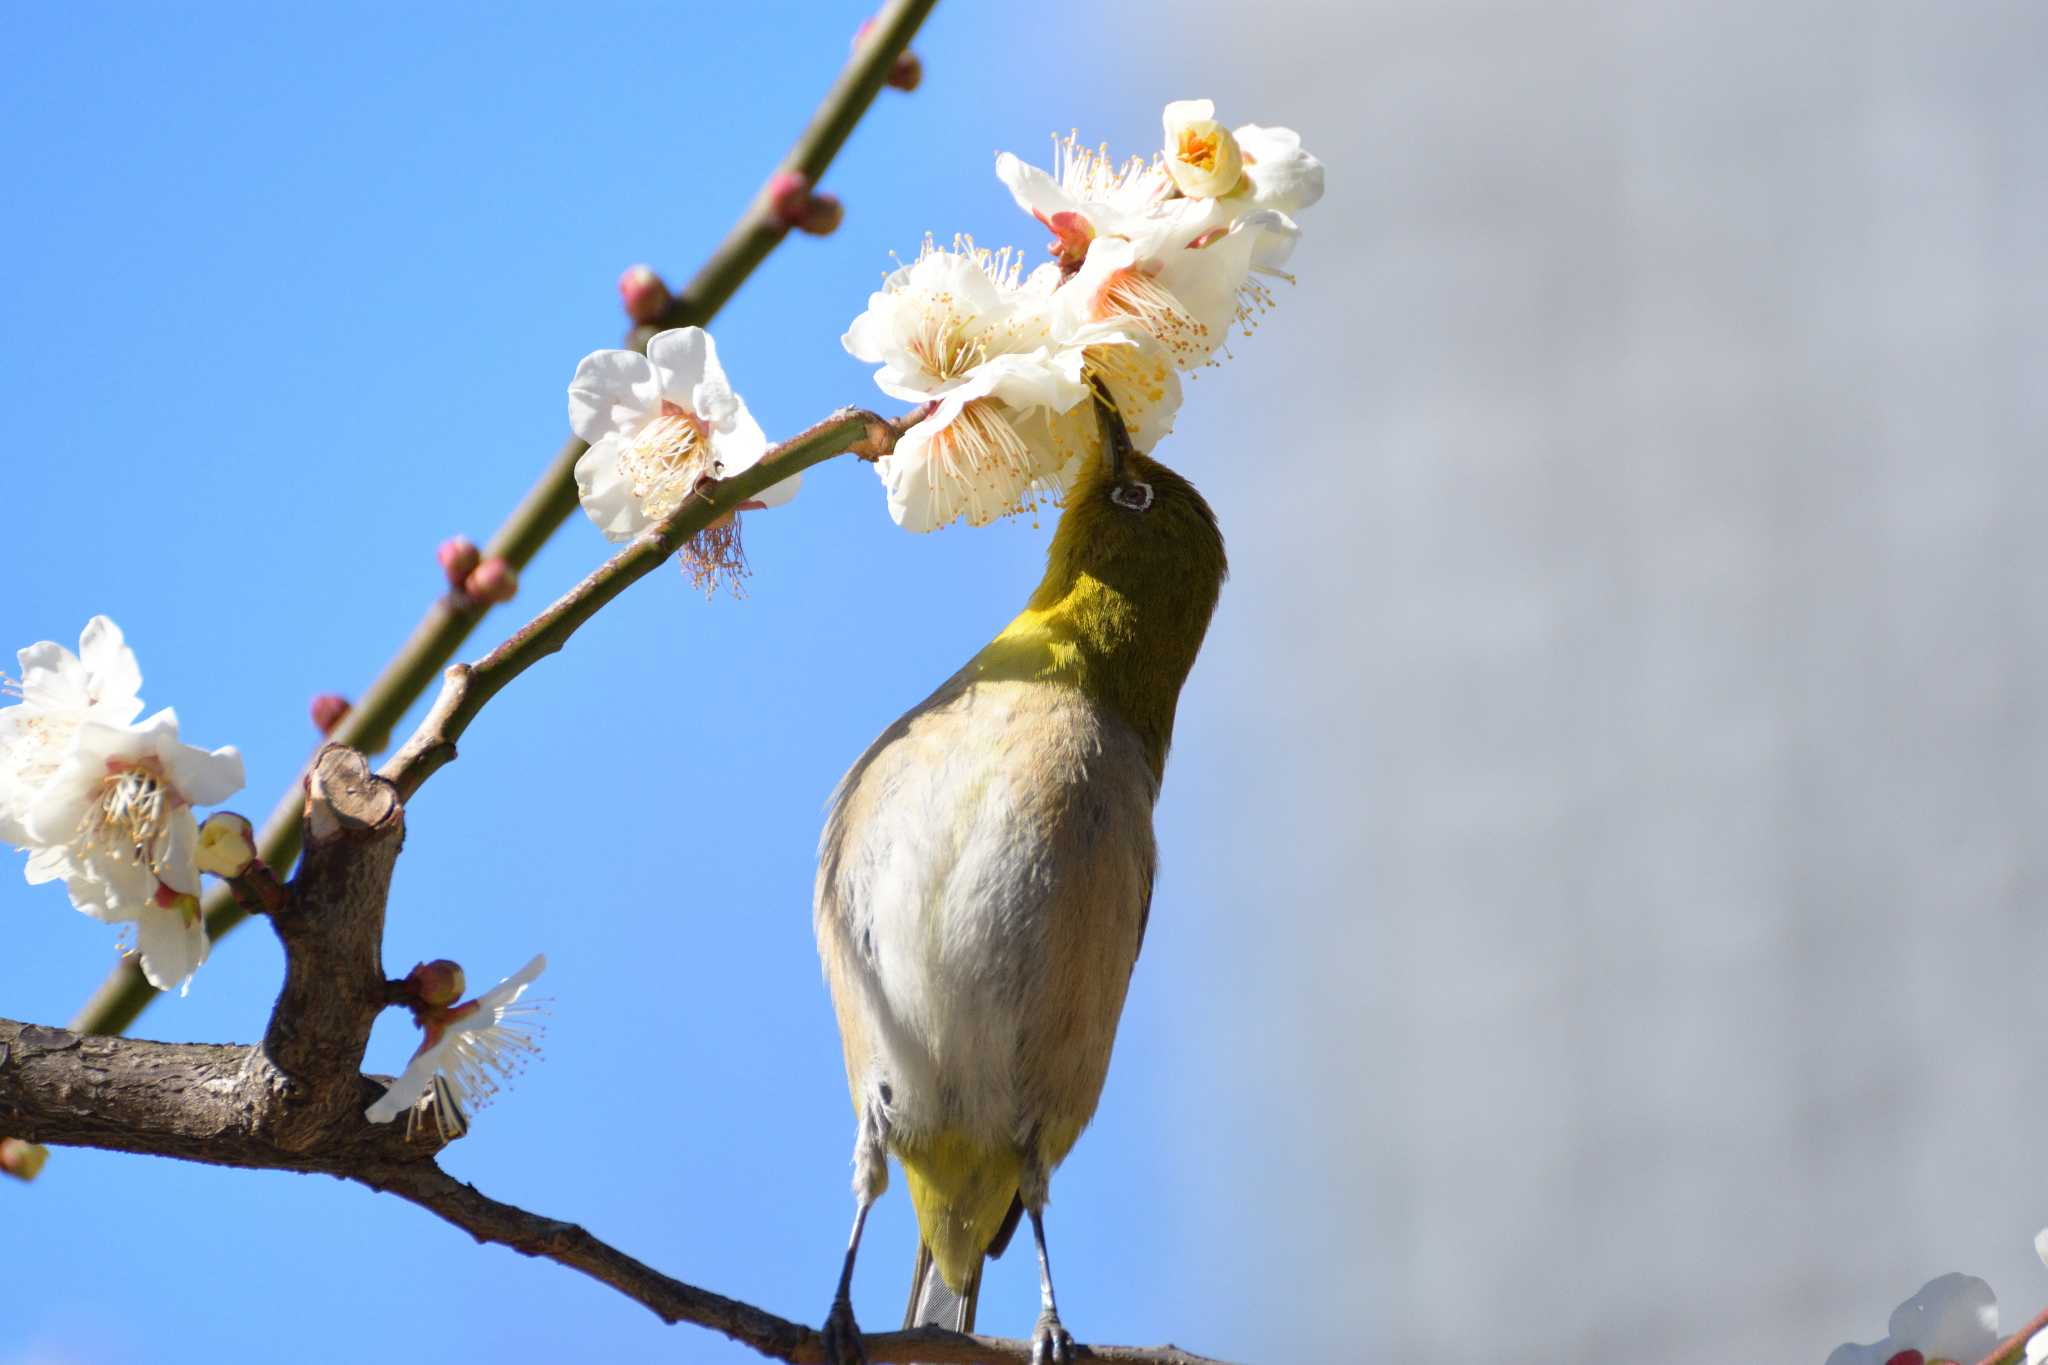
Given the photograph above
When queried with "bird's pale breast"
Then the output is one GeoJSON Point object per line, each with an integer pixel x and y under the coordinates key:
{"type": "Point", "coordinates": [982, 892]}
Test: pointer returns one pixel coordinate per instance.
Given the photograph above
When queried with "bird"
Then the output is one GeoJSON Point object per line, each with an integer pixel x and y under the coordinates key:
{"type": "Point", "coordinates": [985, 877]}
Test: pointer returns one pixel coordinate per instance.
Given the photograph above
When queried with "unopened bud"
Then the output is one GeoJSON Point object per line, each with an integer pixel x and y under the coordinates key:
{"type": "Point", "coordinates": [227, 844]}
{"type": "Point", "coordinates": [437, 984]}
{"type": "Point", "coordinates": [22, 1160]}
{"type": "Point", "coordinates": [645, 295]}
{"type": "Point", "coordinates": [327, 711]}
{"type": "Point", "coordinates": [492, 581]}
{"type": "Point", "coordinates": [789, 197]}
{"type": "Point", "coordinates": [907, 71]}
{"type": "Point", "coordinates": [822, 215]}
{"type": "Point", "coordinates": [459, 558]}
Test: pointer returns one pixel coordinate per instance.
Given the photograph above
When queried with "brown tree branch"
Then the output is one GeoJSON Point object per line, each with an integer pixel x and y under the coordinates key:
{"type": "Point", "coordinates": [125, 993]}
{"type": "Point", "coordinates": [223, 1105]}
{"type": "Point", "coordinates": [296, 1102]}
{"type": "Point", "coordinates": [465, 688]}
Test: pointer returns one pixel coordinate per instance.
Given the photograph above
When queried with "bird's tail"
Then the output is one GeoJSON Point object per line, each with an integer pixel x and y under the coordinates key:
{"type": "Point", "coordinates": [933, 1302]}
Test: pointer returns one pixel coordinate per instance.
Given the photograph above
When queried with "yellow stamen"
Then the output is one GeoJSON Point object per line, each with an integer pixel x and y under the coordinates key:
{"type": "Point", "coordinates": [983, 461]}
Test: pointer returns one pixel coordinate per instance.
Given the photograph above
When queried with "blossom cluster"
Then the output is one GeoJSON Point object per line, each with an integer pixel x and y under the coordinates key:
{"type": "Point", "coordinates": [1153, 262]}
{"type": "Point", "coordinates": [103, 802]}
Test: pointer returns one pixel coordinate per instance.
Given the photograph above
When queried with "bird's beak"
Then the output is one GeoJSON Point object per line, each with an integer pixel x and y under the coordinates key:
{"type": "Point", "coordinates": [1116, 437]}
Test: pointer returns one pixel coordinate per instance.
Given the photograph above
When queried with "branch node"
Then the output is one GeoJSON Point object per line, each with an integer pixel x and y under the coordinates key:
{"type": "Point", "coordinates": [343, 797]}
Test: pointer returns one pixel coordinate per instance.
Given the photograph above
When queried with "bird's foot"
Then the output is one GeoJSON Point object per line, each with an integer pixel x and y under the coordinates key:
{"type": "Point", "coordinates": [1050, 1343]}
{"type": "Point", "coordinates": [842, 1336]}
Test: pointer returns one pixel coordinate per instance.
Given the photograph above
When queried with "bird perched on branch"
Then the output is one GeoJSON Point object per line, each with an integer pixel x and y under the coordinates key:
{"type": "Point", "coordinates": [984, 881]}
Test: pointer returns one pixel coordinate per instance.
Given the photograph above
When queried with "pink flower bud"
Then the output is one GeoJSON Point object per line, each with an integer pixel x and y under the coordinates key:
{"type": "Point", "coordinates": [327, 709]}
{"type": "Point", "coordinates": [227, 842]}
{"type": "Point", "coordinates": [22, 1160]}
{"type": "Point", "coordinates": [459, 557]}
{"type": "Point", "coordinates": [907, 71]}
{"type": "Point", "coordinates": [822, 216]}
{"type": "Point", "coordinates": [789, 197]}
{"type": "Point", "coordinates": [437, 984]}
{"type": "Point", "coordinates": [1908, 1356]}
{"type": "Point", "coordinates": [645, 295]}
{"type": "Point", "coordinates": [492, 581]}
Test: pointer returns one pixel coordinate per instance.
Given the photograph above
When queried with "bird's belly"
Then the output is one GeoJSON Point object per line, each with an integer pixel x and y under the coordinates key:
{"type": "Point", "coordinates": [995, 920]}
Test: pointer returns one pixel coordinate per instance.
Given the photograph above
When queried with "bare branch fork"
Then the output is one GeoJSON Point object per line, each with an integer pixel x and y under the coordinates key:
{"type": "Point", "coordinates": [295, 1102]}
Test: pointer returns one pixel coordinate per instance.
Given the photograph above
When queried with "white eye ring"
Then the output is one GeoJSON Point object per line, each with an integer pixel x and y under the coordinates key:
{"type": "Point", "coordinates": [1135, 497]}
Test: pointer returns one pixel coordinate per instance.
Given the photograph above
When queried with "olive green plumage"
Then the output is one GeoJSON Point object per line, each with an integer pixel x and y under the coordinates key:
{"type": "Point", "coordinates": [986, 870]}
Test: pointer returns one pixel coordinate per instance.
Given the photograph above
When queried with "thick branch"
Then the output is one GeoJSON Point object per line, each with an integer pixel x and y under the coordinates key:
{"type": "Point", "coordinates": [125, 993]}
{"type": "Point", "coordinates": [673, 1301]}
{"type": "Point", "coordinates": [223, 1106]}
{"type": "Point", "coordinates": [467, 687]}
{"type": "Point", "coordinates": [196, 1101]}
{"type": "Point", "coordinates": [332, 927]}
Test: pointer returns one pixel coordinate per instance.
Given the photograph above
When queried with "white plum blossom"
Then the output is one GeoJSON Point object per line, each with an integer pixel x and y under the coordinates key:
{"type": "Point", "coordinates": [959, 331]}
{"type": "Point", "coordinates": [114, 822]}
{"type": "Point", "coordinates": [59, 691]}
{"type": "Point", "coordinates": [1259, 167]}
{"type": "Point", "coordinates": [1176, 245]}
{"type": "Point", "coordinates": [468, 1049]}
{"type": "Point", "coordinates": [1201, 156]}
{"type": "Point", "coordinates": [658, 425]}
{"type": "Point", "coordinates": [1090, 194]}
{"type": "Point", "coordinates": [1953, 1318]}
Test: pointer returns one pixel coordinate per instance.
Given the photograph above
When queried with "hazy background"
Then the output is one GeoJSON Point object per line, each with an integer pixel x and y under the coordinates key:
{"type": "Point", "coordinates": [1601, 909]}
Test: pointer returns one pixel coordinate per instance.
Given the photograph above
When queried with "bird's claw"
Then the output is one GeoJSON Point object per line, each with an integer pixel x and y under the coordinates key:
{"type": "Point", "coordinates": [1050, 1343]}
{"type": "Point", "coordinates": [843, 1345]}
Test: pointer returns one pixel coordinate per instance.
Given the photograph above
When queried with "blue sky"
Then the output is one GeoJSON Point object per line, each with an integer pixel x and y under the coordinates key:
{"type": "Point", "coordinates": [292, 294]}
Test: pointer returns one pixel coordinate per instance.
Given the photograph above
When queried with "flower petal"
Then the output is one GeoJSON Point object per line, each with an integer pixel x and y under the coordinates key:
{"type": "Point", "coordinates": [405, 1092]}
{"type": "Point", "coordinates": [684, 357]}
{"type": "Point", "coordinates": [1282, 175]}
{"type": "Point", "coordinates": [606, 493]}
{"type": "Point", "coordinates": [613, 392]}
{"type": "Point", "coordinates": [178, 865]}
{"type": "Point", "coordinates": [113, 677]}
{"type": "Point", "coordinates": [171, 945]}
{"type": "Point", "coordinates": [1037, 193]}
{"type": "Point", "coordinates": [203, 778]}
{"type": "Point", "coordinates": [741, 447]}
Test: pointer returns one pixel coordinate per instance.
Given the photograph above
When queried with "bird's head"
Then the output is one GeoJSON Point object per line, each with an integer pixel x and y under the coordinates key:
{"type": "Point", "coordinates": [1141, 530]}
{"type": "Point", "coordinates": [1132, 579]}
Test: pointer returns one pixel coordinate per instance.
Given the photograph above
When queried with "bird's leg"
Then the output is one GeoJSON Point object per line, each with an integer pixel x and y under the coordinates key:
{"type": "Point", "coordinates": [842, 1334]}
{"type": "Point", "coordinates": [870, 1177]}
{"type": "Point", "coordinates": [1050, 1343]}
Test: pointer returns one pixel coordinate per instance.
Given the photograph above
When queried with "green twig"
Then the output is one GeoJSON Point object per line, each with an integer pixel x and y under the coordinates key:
{"type": "Point", "coordinates": [465, 688]}
{"type": "Point", "coordinates": [125, 993]}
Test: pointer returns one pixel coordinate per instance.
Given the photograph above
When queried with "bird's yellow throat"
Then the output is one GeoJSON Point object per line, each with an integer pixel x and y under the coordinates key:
{"type": "Point", "coordinates": [1125, 601]}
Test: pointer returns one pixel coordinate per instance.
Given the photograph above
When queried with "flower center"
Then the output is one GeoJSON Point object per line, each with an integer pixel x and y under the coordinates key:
{"type": "Point", "coordinates": [131, 817]}
{"type": "Point", "coordinates": [1132, 293]}
{"type": "Point", "coordinates": [1199, 149]}
{"type": "Point", "coordinates": [941, 345]}
{"type": "Point", "coordinates": [983, 462]}
{"type": "Point", "coordinates": [666, 460]}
